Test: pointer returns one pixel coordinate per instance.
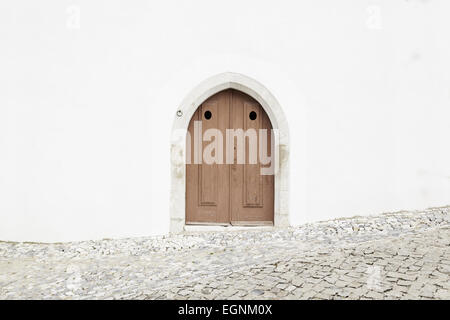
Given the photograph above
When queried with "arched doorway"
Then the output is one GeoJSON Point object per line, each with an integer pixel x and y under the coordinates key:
{"type": "Point", "coordinates": [182, 116]}
{"type": "Point", "coordinates": [234, 131]}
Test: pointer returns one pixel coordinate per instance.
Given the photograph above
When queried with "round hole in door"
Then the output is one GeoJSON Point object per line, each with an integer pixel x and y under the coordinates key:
{"type": "Point", "coordinates": [252, 115]}
{"type": "Point", "coordinates": [208, 115]}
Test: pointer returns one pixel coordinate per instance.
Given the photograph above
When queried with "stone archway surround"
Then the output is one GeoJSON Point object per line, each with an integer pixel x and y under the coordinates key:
{"type": "Point", "coordinates": [189, 105]}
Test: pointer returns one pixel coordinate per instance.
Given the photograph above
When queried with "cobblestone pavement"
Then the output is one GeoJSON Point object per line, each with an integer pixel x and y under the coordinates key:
{"type": "Point", "coordinates": [404, 255]}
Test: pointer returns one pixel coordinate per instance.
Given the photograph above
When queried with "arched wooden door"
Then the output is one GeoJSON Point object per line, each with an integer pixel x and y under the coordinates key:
{"type": "Point", "coordinates": [231, 192]}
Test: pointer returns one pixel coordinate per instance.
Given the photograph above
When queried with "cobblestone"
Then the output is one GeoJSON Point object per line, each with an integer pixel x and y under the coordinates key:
{"type": "Point", "coordinates": [389, 256]}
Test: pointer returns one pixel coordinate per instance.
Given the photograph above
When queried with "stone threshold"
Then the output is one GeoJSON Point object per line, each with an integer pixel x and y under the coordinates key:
{"type": "Point", "coordinates": [218, 228]}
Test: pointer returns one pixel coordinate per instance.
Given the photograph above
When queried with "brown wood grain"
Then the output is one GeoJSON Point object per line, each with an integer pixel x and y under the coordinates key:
{"type": "Point", "coordinates": [229, 193]}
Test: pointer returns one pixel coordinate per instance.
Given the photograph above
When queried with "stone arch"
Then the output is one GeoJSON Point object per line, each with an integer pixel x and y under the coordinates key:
{"type": "Point", "coordinates": [189, 105]}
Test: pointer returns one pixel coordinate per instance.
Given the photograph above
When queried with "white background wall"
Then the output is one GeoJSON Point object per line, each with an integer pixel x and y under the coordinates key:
{"type": "Point", "coordinates": [86, 110]}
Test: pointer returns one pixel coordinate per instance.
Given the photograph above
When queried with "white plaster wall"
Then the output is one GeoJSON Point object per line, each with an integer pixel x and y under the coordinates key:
{"type": "Point", "coordinates": [86, 113]}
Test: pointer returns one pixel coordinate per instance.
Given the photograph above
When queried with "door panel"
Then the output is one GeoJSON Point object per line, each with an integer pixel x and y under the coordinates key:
{"type": "Point", "coordinates": [229, 193]}
{"type": "Point", "coordinates": [252, 180]}
{"type": "Point", "coordinates": [207, 185]}
{"type": "Point", "coordinates": [251, 193]}
{"type": "Point", "coordinates": [209, 174]}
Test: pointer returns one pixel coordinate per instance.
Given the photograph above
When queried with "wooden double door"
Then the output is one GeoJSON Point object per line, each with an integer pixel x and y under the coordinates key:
{"type": "Point", "coordinates": [232, 192]}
